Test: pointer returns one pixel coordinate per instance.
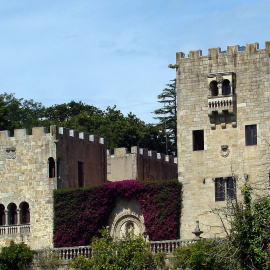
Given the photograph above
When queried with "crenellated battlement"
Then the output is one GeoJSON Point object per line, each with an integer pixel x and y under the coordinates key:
{"type": "Point", "coordinates": [232, 51]}
{"type": "Point", "coordinates": [62, 131]}
{"type": "Point", "coordinates": [55, 131]}
{"type": "Point", "coordinates": [123, 152]}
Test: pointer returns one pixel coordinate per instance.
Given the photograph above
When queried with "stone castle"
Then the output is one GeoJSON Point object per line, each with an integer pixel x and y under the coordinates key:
{"type": "Point", "coordinates": [223, 123]}
{"type": "Point", "coordinates": [32, 166]}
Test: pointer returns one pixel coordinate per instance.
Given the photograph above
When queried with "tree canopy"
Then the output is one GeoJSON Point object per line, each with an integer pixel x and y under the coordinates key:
{"type": "Point", "coordinates": [120, 130]}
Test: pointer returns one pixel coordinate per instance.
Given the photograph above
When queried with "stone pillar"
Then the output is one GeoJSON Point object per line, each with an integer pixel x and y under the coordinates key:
{"type": "Point", "coordinates": [6, 217]}
{"type": "Point", "coordinates": [18, 217]}
{"type": "Point", "coordinates": [219, 89]}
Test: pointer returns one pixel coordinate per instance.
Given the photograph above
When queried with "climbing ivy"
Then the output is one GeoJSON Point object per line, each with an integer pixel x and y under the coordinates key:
{"type": "Point", "coordinates": [80, 213]}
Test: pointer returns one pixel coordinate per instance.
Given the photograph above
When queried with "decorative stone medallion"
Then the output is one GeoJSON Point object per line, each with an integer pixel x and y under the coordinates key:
{"type": "Point", "coordinates": [11, 153]}
{"type": "Point", "coordinates": [224, 150]}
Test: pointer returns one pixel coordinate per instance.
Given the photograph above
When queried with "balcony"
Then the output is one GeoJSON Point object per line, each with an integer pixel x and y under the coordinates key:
{"type": "Point", "coordinates": [221, 104]}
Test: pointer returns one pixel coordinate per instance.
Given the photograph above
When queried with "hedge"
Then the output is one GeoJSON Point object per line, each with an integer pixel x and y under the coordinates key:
{"type": "Point", "coordinates": [80, 213]}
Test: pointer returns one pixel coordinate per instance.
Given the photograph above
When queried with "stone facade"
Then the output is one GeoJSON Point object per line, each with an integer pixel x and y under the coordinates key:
{"type": "Point", "coordinates": [223, 122]}
{"type": "Point", "coordinates": [140, 164]}
{"type": "Point", "coordinates": [31, 167]}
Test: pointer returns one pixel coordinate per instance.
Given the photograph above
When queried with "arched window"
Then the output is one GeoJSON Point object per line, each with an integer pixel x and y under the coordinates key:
{"type": "Point", "coordinates": [214, 88]}
{"type": "Point", "coordinates": [12, 214]}
{"type": "Point", "coordinates": [51, 167]}
{"type": "Point", "coordinates": [2, 215]}
{"type": "Point", "coordinates": [226, 87]}
{"type": "Point", "coordinates": [24, 213]}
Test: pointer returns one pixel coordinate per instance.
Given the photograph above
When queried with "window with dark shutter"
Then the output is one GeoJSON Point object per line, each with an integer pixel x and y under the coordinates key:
{"type": "Point", "coordinates": [251, 135]}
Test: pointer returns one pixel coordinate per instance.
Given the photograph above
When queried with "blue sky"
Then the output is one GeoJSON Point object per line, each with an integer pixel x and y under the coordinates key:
{"type": "Point", "coordinates": [107, 53]}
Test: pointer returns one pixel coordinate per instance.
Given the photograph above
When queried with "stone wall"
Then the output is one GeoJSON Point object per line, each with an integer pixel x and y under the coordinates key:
{"type": "Point", "coordinates": [140, 164]}
{"type": "Point", "coordinates": [24, 178]}
{"type": "Point", "coordinates": [223, 120]}
{"type": "Point", "coordinates": [75, 147]}
{"type": "Point", "coordinates": [31, 167]}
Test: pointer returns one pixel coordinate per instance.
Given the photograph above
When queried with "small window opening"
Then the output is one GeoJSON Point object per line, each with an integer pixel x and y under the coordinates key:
{"type": "Point", "coordinates": [25, 213]}
{"type": "Point", "coordinates": [51, 167]}
{"type": "Point", "coordinates": [214, 88]}
{"type": "Point", "coordinates": [2, 215]}
{"type": "Point", "coordinates": [80, 174]}
{"type": "Point", "coordinates": [226, 87]}
{"type": "Point", "coordinates": [12, 217]}
{"type": "Point", "coordinates": [198, 140]}
{"type": "Point", "coordinates": [251, 135]}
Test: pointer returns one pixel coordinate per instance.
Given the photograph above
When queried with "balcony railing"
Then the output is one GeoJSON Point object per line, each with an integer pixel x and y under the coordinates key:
{"type": "Point", "coordinates": [219, 104]}
{"type": "Point", "coordinates": [14, 229]}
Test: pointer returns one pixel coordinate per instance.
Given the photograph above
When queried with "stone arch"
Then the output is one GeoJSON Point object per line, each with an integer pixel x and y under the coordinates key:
{"type": "Point", "coordinates": [2, 215]}
{"type": "Point", "coordinates": [12, 214]}
{"type": "Point", "coordinates": [24, 213]}
{"type": "Point", "coordinates": [213, 88]}
{"type": "Point", "coordinates": [51, 163]}
{"type": "Point", "coordinates": [226, 87]}
{"type": "Point", "coordinates": [126, 217]}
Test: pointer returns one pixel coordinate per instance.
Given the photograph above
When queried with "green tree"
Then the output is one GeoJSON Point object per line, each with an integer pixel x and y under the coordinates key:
{"type": "Point", "coordinates": [120, 130]}
{"type": "Point", "coordinates": [250, 230]}
{"type": "Point", "coordinates": [20, 113]}
{"type": "Point", "coordinates": [167, 115]}
{"type": "Point", "coordinates": [16, 257]}
{"type": "Point", "coordinates": [203, 254]}
{"type": "Point", "coordinates": [130, 253]}
{"type": "Point", "coordinates": [3, 114]}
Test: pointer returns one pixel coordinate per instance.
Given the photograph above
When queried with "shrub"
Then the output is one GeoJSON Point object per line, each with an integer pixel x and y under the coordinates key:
{"type": "Point", "coordinates": [16, 257]}
{"type": "Point", "coordinates": [130, 253]}
{"type": "Point", "coordinates": [214, 255]}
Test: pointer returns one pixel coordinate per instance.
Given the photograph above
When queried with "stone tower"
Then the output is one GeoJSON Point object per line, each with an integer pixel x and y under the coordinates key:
{"type": "Point", "coordinates": [223, 123]}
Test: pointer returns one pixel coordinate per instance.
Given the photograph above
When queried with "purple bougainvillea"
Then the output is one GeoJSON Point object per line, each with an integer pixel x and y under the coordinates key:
{"type": "Point", "coordinates": [80, 213]}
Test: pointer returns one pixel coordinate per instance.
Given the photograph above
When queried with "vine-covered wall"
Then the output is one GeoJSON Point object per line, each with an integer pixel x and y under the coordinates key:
{"type": "Point", "coordinates": [80, 213]}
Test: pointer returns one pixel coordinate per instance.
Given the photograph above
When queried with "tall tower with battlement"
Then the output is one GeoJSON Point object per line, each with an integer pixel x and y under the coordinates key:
{"type": "Point", "coordinates": [31, 167]}
{"type": "Point", "coordinates": [223, 123]}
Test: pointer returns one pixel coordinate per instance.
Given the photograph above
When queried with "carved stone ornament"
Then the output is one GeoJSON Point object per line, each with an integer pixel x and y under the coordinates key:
{"type": "Point", "coordinates": [219, 78]}
{"type": "Point", "coordinates": [224, 150]}
{"type": "Point", "coordinates": [10, 153]}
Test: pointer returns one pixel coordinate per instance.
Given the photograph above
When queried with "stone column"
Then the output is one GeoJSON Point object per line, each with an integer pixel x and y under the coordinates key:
{"type": "Point", "coordinates": [6, 217]}
{"type": "Point", "coordinates": [18, 217]}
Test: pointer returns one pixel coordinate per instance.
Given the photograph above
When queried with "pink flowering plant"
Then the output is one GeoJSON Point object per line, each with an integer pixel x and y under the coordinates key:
{"type": "Point", "coordinates": [80, 213]}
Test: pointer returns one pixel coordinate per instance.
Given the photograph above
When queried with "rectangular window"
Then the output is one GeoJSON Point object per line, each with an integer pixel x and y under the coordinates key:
{"type": "Point", "coordinates": [198, 140]}
{"type": "Point", "coordinates": [251, 135]}
{"type": "Point", "coordinates": [225, 187]}
{"type": "Point", "coordinates": [80, 174]}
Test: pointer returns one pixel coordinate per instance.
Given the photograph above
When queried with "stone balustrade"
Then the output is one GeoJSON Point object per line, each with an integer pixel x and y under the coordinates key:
{"type": "Point", "coordinates": [220, 103]}
{"type": "Point", "coordinates": [14, 229]}
{"type": "Point", "coordinates": [168, 246]}
{"type": "Point", "coordinates": [69, 253]}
